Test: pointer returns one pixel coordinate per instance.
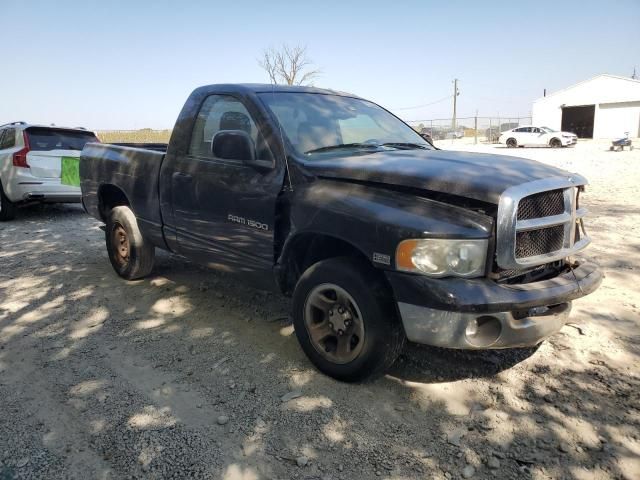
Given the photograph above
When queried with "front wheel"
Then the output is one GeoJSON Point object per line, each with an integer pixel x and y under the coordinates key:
{"type": "Point", "coordinates": [131, 255]}
{"type": "Point", "coordinates": [346, 324]}
{"type": "Point", "coordinates": [7, 207]}
{"type": "Point", "coordinates": [512, 143]}
{"type": "Point", "coordinates": [555, 143]}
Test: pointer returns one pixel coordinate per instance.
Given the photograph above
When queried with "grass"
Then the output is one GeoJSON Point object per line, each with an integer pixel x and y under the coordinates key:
{"type": "Point", "coordinates": [146, 135]}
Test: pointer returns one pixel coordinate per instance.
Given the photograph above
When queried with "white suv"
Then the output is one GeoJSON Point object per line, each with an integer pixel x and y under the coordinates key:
{"type": "Point", "coordinates": [31, 164]}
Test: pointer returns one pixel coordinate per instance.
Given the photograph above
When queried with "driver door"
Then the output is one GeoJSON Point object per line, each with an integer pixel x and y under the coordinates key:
{"type": "Point", "coordinates": [224, 209]}
{"type": "Point", "coordinates": [525, 136]}
{"type": "Point", "coordinates": [538, 136]}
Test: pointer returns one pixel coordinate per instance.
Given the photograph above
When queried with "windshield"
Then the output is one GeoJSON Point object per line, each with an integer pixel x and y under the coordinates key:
{"type": "Point", "coordinates": [316, 123]}
{"type": "Point", "coordinates": [548, 130]}
{"type": "Point", "coordinates": [44, 139]}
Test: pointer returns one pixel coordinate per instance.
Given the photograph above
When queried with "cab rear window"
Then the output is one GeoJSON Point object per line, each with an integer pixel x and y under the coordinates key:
{"type": "Point", "coordinates": [44, 139]}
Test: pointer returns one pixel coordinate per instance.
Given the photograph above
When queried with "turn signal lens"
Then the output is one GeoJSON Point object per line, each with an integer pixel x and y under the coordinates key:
{"type": "Point", "coordinates": [404, 255]}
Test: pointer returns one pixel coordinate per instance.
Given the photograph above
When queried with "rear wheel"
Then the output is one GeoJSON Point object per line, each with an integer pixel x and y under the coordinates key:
{"type": "Point", "coordinates": [345, 323]}
{"type": "Point", "coordinates": [555, 143]}
{"type": "Point", "coordinates": [512, 143]}
{"type": "Point", "coordinates": [131, 255]}
{"type": "Point", "coordinates": [7, 207]}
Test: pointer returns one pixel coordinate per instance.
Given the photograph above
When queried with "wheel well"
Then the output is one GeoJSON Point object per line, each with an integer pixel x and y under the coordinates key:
{"type": "Point", "coordinates": [110, 196]}
{"type": "Point", "coordinates": [511, 138]}
{"type": "Point", "coordinates": [306, 249]}
{"type": "Point", "coordinates": [554, 139]}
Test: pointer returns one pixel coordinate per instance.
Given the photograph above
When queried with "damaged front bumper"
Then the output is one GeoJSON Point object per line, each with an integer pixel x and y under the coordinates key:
{"type": "Point", "coordinates": [482, 314]}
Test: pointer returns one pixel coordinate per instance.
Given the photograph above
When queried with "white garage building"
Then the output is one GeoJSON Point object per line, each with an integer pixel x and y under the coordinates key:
{"type": "Point", "coordinates": [605, 106]}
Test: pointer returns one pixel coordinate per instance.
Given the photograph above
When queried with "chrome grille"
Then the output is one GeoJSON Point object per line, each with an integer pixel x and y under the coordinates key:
{"type": "Point", "coordinates": [540, 222]}
{"type": "Point", "coordinates": [543, 204]}
{"type": "Point", "coordinates": [538, 242]}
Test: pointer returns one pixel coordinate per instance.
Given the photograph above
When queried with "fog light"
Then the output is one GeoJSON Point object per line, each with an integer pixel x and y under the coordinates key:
{"type": "Point", "coordinates": [483, 331]}
{"type": "Point", "coordinates": [472, 328]}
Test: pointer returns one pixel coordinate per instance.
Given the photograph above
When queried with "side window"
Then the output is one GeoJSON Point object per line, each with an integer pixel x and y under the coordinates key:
{"type": "Point", "coordinates": [222, 112]}
{"type": "Point", "coordinates": [7, 138]}
{"type": "Point", "coordinates": [536, 130]}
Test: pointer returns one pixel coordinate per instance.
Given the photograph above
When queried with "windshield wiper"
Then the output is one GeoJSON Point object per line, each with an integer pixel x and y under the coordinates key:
{"type": "Point", "coordinates": [344, 145]}
{"type": "Point", "coordinates": [406, 145]}
{"type": "Point", "coordinates": [401, 145]}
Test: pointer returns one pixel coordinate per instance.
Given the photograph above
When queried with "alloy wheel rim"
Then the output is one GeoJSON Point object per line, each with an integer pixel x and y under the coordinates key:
{"type": "Point", "coordinates": [334, 323]}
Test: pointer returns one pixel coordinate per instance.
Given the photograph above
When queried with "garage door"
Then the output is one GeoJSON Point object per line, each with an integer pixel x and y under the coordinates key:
{"type": "Point", "coordinates": [614, 119]}
{"type": "Point", "coordinates": [579, 120]}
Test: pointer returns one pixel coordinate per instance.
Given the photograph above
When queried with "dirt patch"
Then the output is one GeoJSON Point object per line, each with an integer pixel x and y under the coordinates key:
{"type": "Point", "coordinates": [190, 374]}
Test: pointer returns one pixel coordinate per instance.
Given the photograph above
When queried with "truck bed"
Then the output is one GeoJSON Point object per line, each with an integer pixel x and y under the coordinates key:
{"type": "Point", "coordinates": [132, 170]}
{"type": "Point", "coordinates": [156, 147]}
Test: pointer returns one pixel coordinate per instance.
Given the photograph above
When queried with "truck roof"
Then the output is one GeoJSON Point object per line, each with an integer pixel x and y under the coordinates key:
{"type": "Point", "coordinates": [268, 87]}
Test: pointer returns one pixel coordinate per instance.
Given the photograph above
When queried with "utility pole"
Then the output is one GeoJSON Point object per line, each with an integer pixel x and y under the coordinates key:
{"type": "Point", "coordinates": [475, 129]}
{"type": "Point", "coordinates": [455, 101]}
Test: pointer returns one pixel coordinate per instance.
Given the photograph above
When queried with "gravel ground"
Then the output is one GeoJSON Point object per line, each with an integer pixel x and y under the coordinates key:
{"type": "Point", "coordinates": [190, 374]}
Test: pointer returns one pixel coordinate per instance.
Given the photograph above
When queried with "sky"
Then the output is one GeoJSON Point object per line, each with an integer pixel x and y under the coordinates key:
{"type": "Point", "coordinates": [132, 64]}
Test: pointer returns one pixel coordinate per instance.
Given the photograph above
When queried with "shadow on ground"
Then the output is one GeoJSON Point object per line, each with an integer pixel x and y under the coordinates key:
{"type": "Point", "coordinates": [182, 374]}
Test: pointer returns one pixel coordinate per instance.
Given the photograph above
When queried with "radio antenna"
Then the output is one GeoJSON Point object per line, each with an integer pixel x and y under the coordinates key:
{"type": "Point", "coordinates": [284, 146]}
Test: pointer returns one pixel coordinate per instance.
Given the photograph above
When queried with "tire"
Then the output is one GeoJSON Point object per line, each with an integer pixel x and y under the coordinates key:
{"type": "Point", "coordinates": [512, 143]}
{"type": "Point", "coordinates": [555, 143]}
{"type": "Point", "coordinates": [355, 301]}
{"type": "Point", "coordinates": [131, 255]}
{"type": "Point", "coordinates": [7, 207]}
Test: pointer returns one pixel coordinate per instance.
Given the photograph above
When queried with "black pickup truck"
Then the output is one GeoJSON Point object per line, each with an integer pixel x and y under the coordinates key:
{"type": "Point", "coordinates": [378, 236]}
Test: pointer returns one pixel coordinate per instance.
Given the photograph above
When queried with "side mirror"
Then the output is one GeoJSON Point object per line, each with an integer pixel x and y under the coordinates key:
{"type": "Point", "coordinates": [233, 145]}
{"type": "Point", "coordinates": [427, 137]}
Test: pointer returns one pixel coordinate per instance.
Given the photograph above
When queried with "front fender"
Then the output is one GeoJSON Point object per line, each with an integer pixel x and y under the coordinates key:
{"type": "Point", "coordinates": [374, 219]}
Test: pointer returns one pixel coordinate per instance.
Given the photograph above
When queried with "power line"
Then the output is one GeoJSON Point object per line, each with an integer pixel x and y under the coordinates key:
{"type": "Point", "coordinates": [467, 117]}
{"type": "Point", "coordinates": [425, 104]}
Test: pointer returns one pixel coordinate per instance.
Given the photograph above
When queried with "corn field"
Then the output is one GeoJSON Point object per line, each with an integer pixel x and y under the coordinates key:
{"type": "Point", "coordinates": [146, 135]}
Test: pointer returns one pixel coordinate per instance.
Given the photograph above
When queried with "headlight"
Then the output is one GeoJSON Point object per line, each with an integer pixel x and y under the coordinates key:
{"type": "Point", "coordinates": [443, 257]}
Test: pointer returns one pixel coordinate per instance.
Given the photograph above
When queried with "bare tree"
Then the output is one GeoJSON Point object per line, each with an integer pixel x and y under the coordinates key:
{"type": "Point", "coordinates": [288, 65]}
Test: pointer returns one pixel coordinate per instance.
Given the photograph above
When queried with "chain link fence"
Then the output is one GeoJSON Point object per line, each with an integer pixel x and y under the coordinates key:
{"type": "Point", "coordinates": [468, 129]}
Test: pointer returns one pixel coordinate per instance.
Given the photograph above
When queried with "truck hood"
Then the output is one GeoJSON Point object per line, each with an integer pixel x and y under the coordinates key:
{"type": "Point", "coordinates": [478, 176]}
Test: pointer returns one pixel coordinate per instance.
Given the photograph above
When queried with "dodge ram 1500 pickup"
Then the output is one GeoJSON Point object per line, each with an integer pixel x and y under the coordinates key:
{"type": "Point", "coordinates": [377, 236]}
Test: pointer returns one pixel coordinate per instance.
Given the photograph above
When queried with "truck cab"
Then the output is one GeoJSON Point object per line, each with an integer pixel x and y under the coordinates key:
{"type": "Point", "coordinates": [377, 236]}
